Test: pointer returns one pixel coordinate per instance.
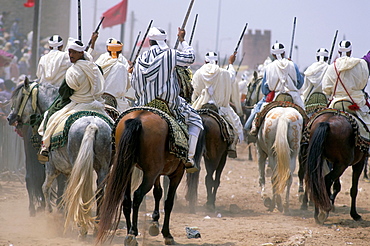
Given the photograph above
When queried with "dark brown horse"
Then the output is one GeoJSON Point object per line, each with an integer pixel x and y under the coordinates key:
{"type": "Point", "coordinates": [142, 139]}
{"type": "Point", "coordinates": [213, 147]}
{"type": "Point", "coordinates": [333, 138]}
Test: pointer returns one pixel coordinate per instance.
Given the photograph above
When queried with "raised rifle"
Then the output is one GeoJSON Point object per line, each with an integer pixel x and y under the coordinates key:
{"type": "Point", "coordinates": [133, 49]}
{"type": "Point", "coordinates": [185, 21]}
{"type": "Point", "coordinates": [142, 43]}
{"type": "Point", "coordinates": [241, 37]}
{"type": "Point", "coordinates": [79, 20]}
{"type": "Point", "coordinates": [192, 31]}
{"type": "Point", "coordinates": [332, 46]}
{"type": "Point", "coordinates": [96, 31]}
{"type": "Point", "coordinates": [240, 63]}
{"type": "Point", "coordinates": [293, 34]}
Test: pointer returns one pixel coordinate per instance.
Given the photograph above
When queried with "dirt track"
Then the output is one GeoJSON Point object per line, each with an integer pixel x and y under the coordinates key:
{"type": "Point", "coordinates": [240, 219]}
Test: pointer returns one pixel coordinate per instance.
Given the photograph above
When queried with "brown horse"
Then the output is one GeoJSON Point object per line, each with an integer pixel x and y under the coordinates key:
{"type": "Point", "coordinates": [333, 138]}
{"type": "Point", "coordinates": [213, 147]}
{"type": "Point", "coordinates": [142, 139]}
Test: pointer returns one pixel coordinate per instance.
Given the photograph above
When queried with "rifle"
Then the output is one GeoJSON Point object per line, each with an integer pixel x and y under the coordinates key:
{"type": "Point", "coordinates": [96, 31]}
{"type": "Point", "coordinates": [291, 44]}
{"type": "Point", "coordinates": [79, 20]}
{"type": "Point", "coordinates": [240, 63]}
{"type": "Point", "coordinates": [133, 50]}
{"type": "Point", "coordinates": [332, 46]}
{"type": "Point", "coordinates": [241, 37]}
{"type": "Point", "coordinates": [192, 31]}
{"type": "Point", "coordinates": [142, 43]}
{"type": "Point", "coordinates": [185, 20]}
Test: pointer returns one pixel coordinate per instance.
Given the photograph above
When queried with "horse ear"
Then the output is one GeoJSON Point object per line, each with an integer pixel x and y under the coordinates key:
{"type": "Point", "coordinates": [255, 74]}
{"type": "Point", "coordinates": [26, 82]}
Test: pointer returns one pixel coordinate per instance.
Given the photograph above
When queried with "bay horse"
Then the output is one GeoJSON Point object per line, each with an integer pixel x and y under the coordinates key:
{"type": "Point", "coordinates": [278, 140]}
{"type": "Point", "coordinates": [142, 140]}
{"type": "Point", "coordinates": [333, 137]}
{"type": "Point", "coordinates": [212, 146]}
{"type": "Point", "coordinates": [87, 147]}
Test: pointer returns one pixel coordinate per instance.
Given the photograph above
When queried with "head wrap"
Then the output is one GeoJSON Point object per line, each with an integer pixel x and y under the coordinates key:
{"type": "Point", "coordinates": [322, 53]}
{"type": "Point", "coordinates": [278, 49]}
{"type": "Point", "coordinates": [344, 47]}
{"type": "Point", "coordinates": [114, 46]}
{"type": "Point", "coordinates": [211, 57]}
{"type": "Point", "coordinates": [55, 41]}
{"type": "Point", "coordinates": [76, 45]}
{"type": "Point", "coordinates": [158, 36]}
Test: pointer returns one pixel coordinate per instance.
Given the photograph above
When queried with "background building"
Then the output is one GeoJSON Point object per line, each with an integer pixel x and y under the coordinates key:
{"type": "Point", "coordinates": [256, 47]}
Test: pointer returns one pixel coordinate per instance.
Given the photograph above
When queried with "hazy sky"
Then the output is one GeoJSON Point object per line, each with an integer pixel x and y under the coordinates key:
{"type": "Point", "coordinates": [317, 21]}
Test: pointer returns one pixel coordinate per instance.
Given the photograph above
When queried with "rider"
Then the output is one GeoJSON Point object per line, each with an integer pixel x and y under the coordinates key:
{"type": "Point", "coordinates": [114, 66]}
{"type": "Point", "coordinates": [282, 76]}
{"type": "Point", "coordinates": [346, 79]}
{"type": "Point", "coordinates": [315, 73]}
{"type": "Point", "coordinates": [82, 90]}
{"type": "Point", "coordinates": [154, 78]}
{"type": "Point", "coordinates": [216, 85]}
{"type": "Point", "coordinates": [52, 67]}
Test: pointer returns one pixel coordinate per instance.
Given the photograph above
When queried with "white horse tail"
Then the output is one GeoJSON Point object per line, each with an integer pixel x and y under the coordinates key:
{"type": "Point", "coordinates": [79, 196]}
{"type": "Point", "coordinates": [282, 151]}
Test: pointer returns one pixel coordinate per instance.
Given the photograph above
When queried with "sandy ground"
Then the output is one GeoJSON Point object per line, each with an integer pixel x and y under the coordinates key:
{"type": "Point", "coordinates": [240, 219]}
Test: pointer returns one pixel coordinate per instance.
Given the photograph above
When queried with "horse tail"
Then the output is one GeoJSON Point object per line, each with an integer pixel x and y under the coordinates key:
{"type": "Point", "coordinates": [79, 195]}
{"type": "Point", "coordinates": [122, 167]}
{"type": "Point", "coordinates": [315, 180]}
{"type": "Point", "coordinates": [282, 151]}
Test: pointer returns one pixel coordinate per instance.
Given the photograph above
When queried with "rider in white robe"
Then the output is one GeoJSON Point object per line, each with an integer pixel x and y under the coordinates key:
{"type": "Point", "coordinates": [314, 74]}
{"type": "Point", "coordinates": [114, 66]}
{"type": "Point", "coordinates": [216, 85]}
{"type": "Point", "coordinates": [354, 74]}
{"type": "Point", "coordinates": [52, 67]}
{"type": "Point", "coordinates": [87, 82]}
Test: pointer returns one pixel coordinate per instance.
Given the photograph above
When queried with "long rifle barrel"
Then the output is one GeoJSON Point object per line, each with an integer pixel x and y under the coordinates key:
{"type": "Point", "coordinates": [185, 20]}
{"type": "Point", "coordinates": [79, 20]}
{"type": "Point", "coordinates": [192, 31]}
{"type": "Point", "coordinates": [240, 63]}
{"type": "Point", "coordinates": [96, 31]}
{"type": "Point", "coordinates": [332, 47]}
{"type": "Point", "coordinates": [293, 34]}
{"type": "Point", "coordinates": [133, 49]}
{"type": "Point", "coordinates": [142, 43]}
{"type": "Point", "coordinates": [241, 37]}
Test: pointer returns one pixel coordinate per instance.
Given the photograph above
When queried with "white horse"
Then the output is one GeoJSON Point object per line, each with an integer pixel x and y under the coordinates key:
{"type": "Point", "coordinates": [278, 140]}
{"type": "Point", "coordinates": [87, 148]}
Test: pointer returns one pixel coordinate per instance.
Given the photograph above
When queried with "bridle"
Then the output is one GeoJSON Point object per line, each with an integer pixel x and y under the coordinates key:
{"type": "Point", "coordinates": [27, 92]}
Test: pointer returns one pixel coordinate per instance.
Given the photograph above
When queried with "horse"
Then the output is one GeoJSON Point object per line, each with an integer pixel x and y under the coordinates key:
{"type": "Point", "coordinates": [333, 137]}
{"type": "Point", "coordinates": [278, 140]}
{"type": "Point", "coordinates": [87, 147]}
{"type": "Point", "coordinates": [212, 146]}
{"type": "Point", "coordinates": [142, 140]}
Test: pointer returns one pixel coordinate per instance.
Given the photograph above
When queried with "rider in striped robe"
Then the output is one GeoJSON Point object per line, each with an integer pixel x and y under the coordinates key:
{"type": "Point", "coordinates": [154, 77]}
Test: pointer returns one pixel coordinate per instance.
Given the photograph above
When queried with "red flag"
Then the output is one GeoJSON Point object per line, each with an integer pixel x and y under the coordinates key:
{"type": "Point", "coordinates": [29, 4]}
{"type": "Point", "coordinates": [115, 15]}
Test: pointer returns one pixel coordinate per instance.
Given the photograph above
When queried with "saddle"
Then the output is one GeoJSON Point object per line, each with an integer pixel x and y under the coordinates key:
{"type": "Point", "coordinates": [360, 140]}
{"type": "Point", "coordinates": [284, 97]}
{"type": "Point", "coordinates": [109, 100]}
{"type": "Point", "coordinates": [178, 131]}
{"type": "Point", "coordinates": [60, 135]}
{"type": "Point", "coordinates": [317, 101]}
{"type": "Point", "coordinates": [343, 105]}
{"type": "Point", "coordinates": [185, 77]}
{"type": "Point", "coordinates": [226, 129]}
{"type": "Point", "coordinates": [262, 114]}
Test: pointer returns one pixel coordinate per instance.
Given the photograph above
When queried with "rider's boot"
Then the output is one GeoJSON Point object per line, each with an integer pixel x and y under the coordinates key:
{"type": "Point", "coordinates": [190, 166]}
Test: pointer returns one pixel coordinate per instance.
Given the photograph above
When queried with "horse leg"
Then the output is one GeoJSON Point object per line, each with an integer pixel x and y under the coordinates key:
{"type": "Point", "coordinates": [126, 205]}
{"type": "Point", "coordinates": [175, 179]}
{"type": "Point", "coordinates": [51, 175]}
{"type": "Point", "coordinates": [216, 182]}
{"type": "Point", "coordinates": [356, 172]}
{"type": "Point", "coordinates": [61, 181]}
{"type": "Point", "coordinates": [102, 173]}
{"type": "Point", "coordinates": [157, 193]}
{"type": "Point", "coordinates": [262, 180]}
{"type": "Point", "coordinates": [336, 189]}
{"type": "Point", "coordinates": [192, 180]}
{"type": "Point", "coordinates": [210, 183]}
{"type": "Point", "coordinates": [288, 185]}
{"type": "Point", "coordinates": [303, 198]}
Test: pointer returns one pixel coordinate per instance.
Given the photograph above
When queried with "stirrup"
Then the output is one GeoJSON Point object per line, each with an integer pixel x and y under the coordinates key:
{"type": "Point", "coordinates": [232, 153]}
{"type": "Point", "coordinates": [190, 166]}
{"type": "Point", "coordinates": [43, 156]}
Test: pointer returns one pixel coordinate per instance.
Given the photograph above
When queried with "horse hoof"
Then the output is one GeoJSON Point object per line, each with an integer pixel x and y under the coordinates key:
{"type": "Point", "coordinates": [209, 207]}
{"type": "Point", "coordinates": [301, 196]}
{"type": "Point", "coordinates": [154, 229]}
{"type": "Point", "coordinates": [130, 240]}
{"type": "Point", "coordinates": [267, 202]}
{"type": "Point", "coordinates": [356, 217]}
{"type": "Point", "coordinates": [322, 217]}
{"type": "Point", "coordinates": [304, 207]}
{"type": "Point", "coordinates": [169, 241]}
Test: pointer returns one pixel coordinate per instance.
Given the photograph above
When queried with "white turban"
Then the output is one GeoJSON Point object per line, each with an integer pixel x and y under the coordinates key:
{"type": "Point", "coordinates": [73, 44]}
{"type": "Point", "coordinates": [211, 57]}
{"type": "Point", "coordinates": [55, 41]}
{"type": "Point", "coordinates": [322, 53]}
{"type": "Point", "coordinates": [278, 49]}
{"type": "Point", "coordinates": [344, 47]}
{"type": "Point", "coordinates": [156, 35]}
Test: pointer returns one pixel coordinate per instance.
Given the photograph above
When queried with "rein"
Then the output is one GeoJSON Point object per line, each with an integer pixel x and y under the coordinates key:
{"type": "Point", "coordinates": [32, 91]}
{"type": "Point", "coordinates": [340, 80]}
